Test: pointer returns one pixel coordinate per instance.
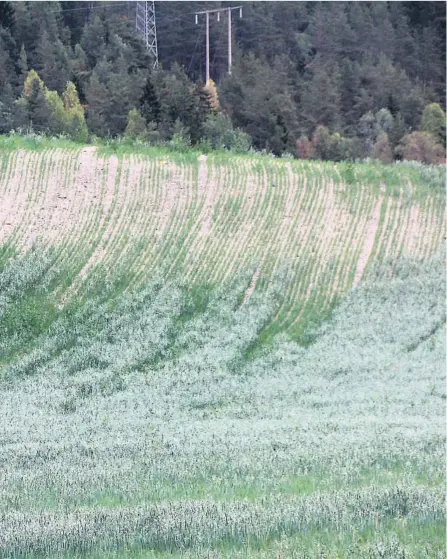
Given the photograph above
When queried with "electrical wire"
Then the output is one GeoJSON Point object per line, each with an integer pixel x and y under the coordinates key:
{"type": "Point", "coordinates": [193, 54]}
{"type": "Point", "coordinates": [64, 10]}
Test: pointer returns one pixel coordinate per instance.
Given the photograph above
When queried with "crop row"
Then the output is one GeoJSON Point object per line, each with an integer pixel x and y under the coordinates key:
{"type": "Point", "coordinates": [211, 219]}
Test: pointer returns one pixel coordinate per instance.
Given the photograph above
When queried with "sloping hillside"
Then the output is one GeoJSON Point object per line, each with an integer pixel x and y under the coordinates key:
{"type": "Point", "coordinates": [146, 407]}
{"type": "Point", "coordinates": [132, 427]}
{"type": "Point", "coordinates": [318, 225]}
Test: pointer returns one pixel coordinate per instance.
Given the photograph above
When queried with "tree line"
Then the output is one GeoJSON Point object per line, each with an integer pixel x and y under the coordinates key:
{"type": "Point", "coordinates": [325, 80]}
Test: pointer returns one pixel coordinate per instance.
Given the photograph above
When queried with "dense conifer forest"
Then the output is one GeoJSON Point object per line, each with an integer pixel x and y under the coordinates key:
{"type": "Point", "coordinates": [318, 80]}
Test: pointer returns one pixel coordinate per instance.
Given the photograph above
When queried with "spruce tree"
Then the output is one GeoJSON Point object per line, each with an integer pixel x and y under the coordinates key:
{"type": "Point", "coordinates": [93, 40]}
{"type": "Point", "coordinates": [6, 108]}
{"type": "Point", "coordinates": [320, 101]}
{"type": "Point", "coordinates": [22, 64]}
{"type": "Point", "coordinates": [149, 103]}
{"type": "Point", "coordinates": [39, 110]}
{"type": "Point", "coordinates": [6, 64]}
{"type": "Point", "coordinates": [6, 15]}
{"type": "Point", "coordinates": [46, 62]}
{"type": "Point", "coordinates": [97, 96]}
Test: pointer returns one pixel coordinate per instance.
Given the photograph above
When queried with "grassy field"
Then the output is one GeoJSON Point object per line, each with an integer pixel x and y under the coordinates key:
{"type": "Point", "coordinates": [220, 357]}
{"type": "Point", "coordinates": [317, 225]}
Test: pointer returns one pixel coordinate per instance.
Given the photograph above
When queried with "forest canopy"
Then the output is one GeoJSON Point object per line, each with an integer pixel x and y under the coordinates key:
{"type": "Point", "coordinates": [325, 80]}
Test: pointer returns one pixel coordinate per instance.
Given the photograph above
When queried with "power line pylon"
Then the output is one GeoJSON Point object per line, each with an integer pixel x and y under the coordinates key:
{"type": "Point", "coordinates": [218, 11]}
{"type": "Point", "coordinates": [91, 7]}
{"type": "Point", "coordinates": [146, 27]}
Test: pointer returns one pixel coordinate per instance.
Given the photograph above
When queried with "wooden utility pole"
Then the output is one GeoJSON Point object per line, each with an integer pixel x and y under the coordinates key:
{"type": "Point", "coordinates": [218, 11]}
{"type": "Point", "coordinates": [207, 72]}
{"type": "Point", "coordinates": [229, 41]}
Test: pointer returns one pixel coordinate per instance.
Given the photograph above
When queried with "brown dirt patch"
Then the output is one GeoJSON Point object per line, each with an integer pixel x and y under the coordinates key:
{"type": "Point", "coordinates": [368, 242]}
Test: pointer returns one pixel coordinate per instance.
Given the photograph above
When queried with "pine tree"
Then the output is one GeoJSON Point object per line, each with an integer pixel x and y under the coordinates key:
{"type": "Point", "coordinates": [52, 63]}
{"type": "Point", "coordinates": [320, 102]}
{"type": "Point", "coordinates": [122, 97]}
{"type": "Point", "coordinates": [93, 40]}
{"type": "Point", "coordinates": [177, 102]}
{"type": "Point", "coordinates": [80, 69]}
{"type": "Point", "coordinates": [46, 62]}
{"type": "Point", "coordinates": [149, 103]}
{"type": "Point", "coordinates": [399, 130]}
{"type": "Point", "coordinates": [6, 108]}
{"type": "Point", "coordinates": [22, 64]}
{"type": "Point", "coordinates": [25, 30]}
{"type": "Point", "coordinates": [97, 95]}
{"type": "Point", "coordinates": [391, 56]}
{"type": "Point", "coordinates": [31, 77]}
{"type": "Point", "coordinates": [6, 63]}
{"type": "Point", "coordinates": [6, 15]}
{"type": "Point", "coordinates": [21, 117]}
{"type": "Point", "coordinates": [39, 110]}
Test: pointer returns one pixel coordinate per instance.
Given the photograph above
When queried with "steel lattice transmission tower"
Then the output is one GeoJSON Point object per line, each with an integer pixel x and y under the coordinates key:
{"type": "Point", "coordinates": [146, 27]}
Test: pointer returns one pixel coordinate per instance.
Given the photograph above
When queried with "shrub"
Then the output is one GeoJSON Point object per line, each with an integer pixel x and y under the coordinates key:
{"type": "Point", "coordinates": [433, 122]}
{"type": "Point", "coordinates": [333, 147]}
{"type": "Point", "coordinates": [382, 149]}
{"type": "Point", "coordinates": [136, 126]}
{"type": "Point", "coordinates": [211, 96]}
{"type": "Point", "coordinates": [181, 140]}
{"type": "Point", "coordinates": [371, 128]}
{"type": "Point", "coordinates": [421, 146]}
{"type": "Point", "coordinates": [75, 118]}
{"type": "Point", "coordinates": [218, 131]}
{"type": "Point", "coordinates": [304, 148]}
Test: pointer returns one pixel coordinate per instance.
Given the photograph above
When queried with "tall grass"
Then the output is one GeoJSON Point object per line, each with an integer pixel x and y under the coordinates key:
{"type": "Point", "coordinates": [132, 423]}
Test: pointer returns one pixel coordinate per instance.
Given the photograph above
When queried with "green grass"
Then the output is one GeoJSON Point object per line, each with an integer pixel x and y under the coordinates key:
{"type": "Point", "coordinates": [33, 142]}
{"type": "Point", "coordinates": [183, 357]}
{"type": "Point", "coordinates": [148, 411]}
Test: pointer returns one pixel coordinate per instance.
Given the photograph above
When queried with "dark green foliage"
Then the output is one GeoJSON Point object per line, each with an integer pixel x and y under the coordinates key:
{"type": "Point", "coordinates": [296, 66]}
{"type": "Point", "coordinates": [98, 99]}
{"type": "Point", "coordinates": [93, 40]}
{"type": "Point", "coordinates": [125, 90]}
{"type": "Point", "coordinates": [149, 103]}
{"type": "Point", "coordinates": [6, 15]}
{"type": "Point", "coordinates": [6, 109]}
{"type": "Point", "coordinates": [29, 317]}
{"type": "Point", "coordinates": [178, 102]}
{"type": "Point", "coordinates": [52, 63]}
{"type": "Point", "coordinates": [22, 65]}
{"type": "Point", "coordinates": [39, 110]}
{"type": "Point", "coordinates": [320, 100]}
{"type": "Point", "coordinates": [220, 134]}
{"type": "Point", "coordinates": [333, 147]}
{"type": "Point", "coordinates": [259, 100]}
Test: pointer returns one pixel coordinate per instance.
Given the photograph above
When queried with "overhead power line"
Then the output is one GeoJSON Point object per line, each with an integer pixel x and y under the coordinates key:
{"type": "Point", "coordinates": [90, 7]}
{"type": "Point", "coordinates": [217, 11]}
